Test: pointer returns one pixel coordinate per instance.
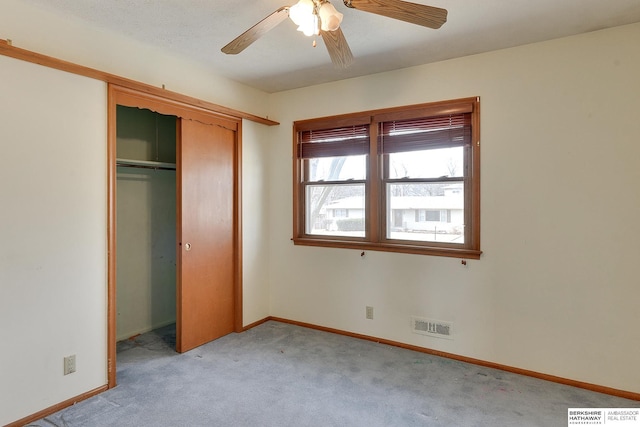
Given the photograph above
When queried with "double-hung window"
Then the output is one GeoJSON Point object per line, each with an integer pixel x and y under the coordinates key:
{"type": "Point", "coordinates": [402, 180]}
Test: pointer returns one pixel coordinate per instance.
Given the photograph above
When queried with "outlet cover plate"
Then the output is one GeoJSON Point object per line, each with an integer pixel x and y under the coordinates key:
{"type": "Point", "coordinates": [70, 364]}
{"type": "Point", "coordinates": [369, 312]}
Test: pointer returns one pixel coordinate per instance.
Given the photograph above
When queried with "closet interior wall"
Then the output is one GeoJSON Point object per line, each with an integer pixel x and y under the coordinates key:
{"type": "Point", "coordinates": [146, 221]}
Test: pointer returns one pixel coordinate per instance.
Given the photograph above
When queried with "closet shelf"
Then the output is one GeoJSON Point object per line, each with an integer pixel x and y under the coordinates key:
{"type": "Point", "coordinates": [145, 164]}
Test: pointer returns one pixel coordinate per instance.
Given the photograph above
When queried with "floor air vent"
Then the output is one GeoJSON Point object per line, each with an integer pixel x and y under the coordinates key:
{"type": "Point", "coordinates": [433, 328]}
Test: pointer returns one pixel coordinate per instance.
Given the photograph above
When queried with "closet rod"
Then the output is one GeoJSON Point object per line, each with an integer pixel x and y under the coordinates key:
{"type": "Point", "coordinates": [145, 164]}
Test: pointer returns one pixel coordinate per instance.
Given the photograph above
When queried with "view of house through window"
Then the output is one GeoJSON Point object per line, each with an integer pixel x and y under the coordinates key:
{"type": "Point", "coordinates": [425, 178]}
{"type": "Point", "coordinates": [404, 180]}
{"type": "Point", "coordinates": [336, 208]}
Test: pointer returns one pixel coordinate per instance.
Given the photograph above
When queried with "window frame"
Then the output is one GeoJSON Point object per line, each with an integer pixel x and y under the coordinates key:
{"type": "Point", "coordinates": [375, 182]}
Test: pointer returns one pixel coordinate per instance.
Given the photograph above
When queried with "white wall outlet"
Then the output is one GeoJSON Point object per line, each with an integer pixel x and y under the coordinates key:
{"type": "Point", "coordinates": [369, 312]}
{"type": "Point", "coordinates": [70, 364]}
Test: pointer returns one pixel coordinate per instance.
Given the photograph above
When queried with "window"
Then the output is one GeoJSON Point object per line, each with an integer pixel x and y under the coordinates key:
{"type": "Point", "coordinates": [429, 215]}
{"type": "Point", "coordinates": [340, 213]}
{"type": "Point", "coordinates": [402, 180]}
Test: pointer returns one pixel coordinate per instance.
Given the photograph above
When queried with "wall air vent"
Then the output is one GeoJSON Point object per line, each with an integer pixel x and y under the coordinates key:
{"type": "Point", "coordinates": [432, 328]}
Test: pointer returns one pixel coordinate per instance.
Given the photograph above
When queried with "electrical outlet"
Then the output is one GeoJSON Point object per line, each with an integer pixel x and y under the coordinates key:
{"type": "Point", "coordinates": [369, 312]}
{"type": "Point", "coordinates": [70, 364]}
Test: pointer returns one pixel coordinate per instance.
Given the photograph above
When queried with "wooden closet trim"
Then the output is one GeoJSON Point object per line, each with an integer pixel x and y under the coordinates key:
{"type": "Point", "coordinates": [117, 95]}
{"type": "Point", "coordinates": [7, 49]}
{"type": "Point", "coordinates": [132, 98]}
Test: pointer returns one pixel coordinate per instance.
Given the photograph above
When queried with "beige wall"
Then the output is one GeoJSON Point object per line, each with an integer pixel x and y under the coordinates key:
{"type": "Point", "coordinates": [559, 154]}
{"type": "Point", "coordinates": [556, 288]}
{"type": "Point", "coordinates": [53, 236]}
{"type": "Point", "coordinates": [53, 189]}
{"type": "Point", "coordinates": [256, 230]}
{"type": "Point", "coordinates": [70, 39]}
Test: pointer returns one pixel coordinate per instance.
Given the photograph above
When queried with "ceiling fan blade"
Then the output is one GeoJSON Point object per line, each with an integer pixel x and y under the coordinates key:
{"type": "Point", "coordinates": [243, 41]}
{"type": "Point", "coordinates": [427, 16]}
{"type": "Point", "coordinates": [338, 48]}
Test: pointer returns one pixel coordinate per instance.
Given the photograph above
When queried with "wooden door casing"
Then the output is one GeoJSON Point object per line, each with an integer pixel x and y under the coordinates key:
{"type": "Point", "coordinates": [118, 95]}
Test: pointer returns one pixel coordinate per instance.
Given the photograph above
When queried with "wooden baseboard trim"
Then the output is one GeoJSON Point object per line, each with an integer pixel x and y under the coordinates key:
{"type": "Point", "coordinates": [258, 323]}
{"type": "Point", "coordinates": [552, 378]}
{"type": "Point", "coordinates": [55, 408]}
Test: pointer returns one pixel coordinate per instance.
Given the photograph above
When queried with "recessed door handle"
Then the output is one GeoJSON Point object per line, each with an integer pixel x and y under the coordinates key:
{"type": "Point", "coordinates": [187, 246]}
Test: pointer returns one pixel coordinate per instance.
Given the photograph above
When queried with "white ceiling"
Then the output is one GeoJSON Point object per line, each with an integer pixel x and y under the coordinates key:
{"type": "Point", "coordinates": [285, 59]}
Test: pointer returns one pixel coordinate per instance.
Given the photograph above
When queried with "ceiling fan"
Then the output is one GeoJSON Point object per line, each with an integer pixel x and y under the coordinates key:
{"type": "Point", "coordinates": [320, 17]}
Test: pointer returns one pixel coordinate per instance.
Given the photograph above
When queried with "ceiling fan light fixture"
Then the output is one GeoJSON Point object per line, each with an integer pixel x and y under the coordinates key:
{"type": "Point", "coordinates": [310, 26]}
{"type": "Point", "coordinates": [330, 18]}
{"type": "Point", "coordinates": [301, 12]}
{"type": "Point", "coordinates": [320, 17]}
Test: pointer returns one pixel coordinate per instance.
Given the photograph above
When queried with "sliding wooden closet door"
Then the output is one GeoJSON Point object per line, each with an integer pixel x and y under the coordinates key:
{"type": "Point", "coordinates": [205, 306]}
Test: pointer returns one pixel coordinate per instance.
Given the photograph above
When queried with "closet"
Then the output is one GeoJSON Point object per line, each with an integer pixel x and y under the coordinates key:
{"type": "Point", "coordinates": [146, 221]}
{"type": "Point", "coordinates": [174, 220]}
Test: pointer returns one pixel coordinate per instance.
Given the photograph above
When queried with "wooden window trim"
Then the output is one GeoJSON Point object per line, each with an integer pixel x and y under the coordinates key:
{"type": "Point", "coordinates": [374, 188]}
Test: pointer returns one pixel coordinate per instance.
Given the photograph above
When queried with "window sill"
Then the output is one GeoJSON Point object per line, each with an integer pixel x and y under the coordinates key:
{"type": "Point", "coordinates": [390, 247]}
